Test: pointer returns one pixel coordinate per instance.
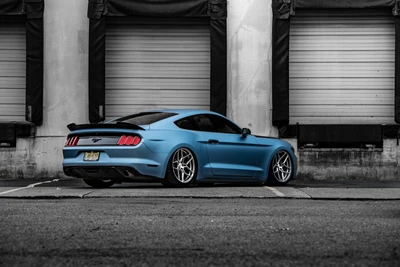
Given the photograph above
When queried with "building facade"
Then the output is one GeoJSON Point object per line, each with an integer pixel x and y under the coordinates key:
{"type": "Point", "coordinates": [322, 76]}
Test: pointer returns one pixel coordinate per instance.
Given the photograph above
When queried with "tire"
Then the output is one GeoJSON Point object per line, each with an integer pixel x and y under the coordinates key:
{"type": "Point", "coordinates": [281, 169]}
{"type": "Point", "coordinates": [99, 183]}
{"type": "Point", "coordinates": [181, 169]}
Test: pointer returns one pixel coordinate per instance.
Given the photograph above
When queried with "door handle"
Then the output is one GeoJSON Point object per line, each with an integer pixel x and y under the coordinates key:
{"type": "Point", "coordinates": [213, 141]}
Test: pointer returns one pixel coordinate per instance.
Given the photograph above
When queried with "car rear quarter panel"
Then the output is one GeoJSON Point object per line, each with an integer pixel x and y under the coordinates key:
{"type": "Point", "coordinates": [168, 141]}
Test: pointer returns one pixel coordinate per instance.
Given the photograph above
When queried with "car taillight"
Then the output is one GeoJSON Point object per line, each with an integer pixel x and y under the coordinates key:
{"type": "Point", "coordinates": [72, 140]}
{"type": "Point", "coordinates": [129, 140]}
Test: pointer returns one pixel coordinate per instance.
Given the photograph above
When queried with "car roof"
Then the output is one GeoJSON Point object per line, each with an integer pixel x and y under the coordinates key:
{"type": "Point", "coordinates": [185, 112]}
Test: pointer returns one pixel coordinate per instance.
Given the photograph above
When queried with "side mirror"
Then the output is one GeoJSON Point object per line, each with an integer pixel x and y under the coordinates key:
{"type": "Point", "coordinates": [245, 132]}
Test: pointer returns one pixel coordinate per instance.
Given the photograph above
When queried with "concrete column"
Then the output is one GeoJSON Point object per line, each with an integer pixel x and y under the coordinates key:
{"type": "Point", "coordinates": [249, 30]}
{"type": "Point", "coordinates": [65, 66]}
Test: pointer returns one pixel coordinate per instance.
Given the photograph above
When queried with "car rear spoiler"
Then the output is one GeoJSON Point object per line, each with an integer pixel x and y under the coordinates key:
{"type": "Point", "coordinates": [120, 124]}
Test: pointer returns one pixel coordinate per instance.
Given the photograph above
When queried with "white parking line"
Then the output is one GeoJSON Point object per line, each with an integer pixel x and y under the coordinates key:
{"type": "Point", "coordinates": [276, 191]}
{"type": "Point", "coordinates": [26, 187]}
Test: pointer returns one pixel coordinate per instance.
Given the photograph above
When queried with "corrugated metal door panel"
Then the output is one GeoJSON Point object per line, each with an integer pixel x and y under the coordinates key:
{"type": "Point", "coordinates": [13, 56]}
{"type": "Point", "coordinates": [156, 63]}
{"type": "Point", "coordinates": [12, 68]}
{"type": "Point", "coordinates": [158, 57]}
{"type": "Point", "coordinates": [341, 67]}
{"type": "Point", "coordinates": [12, 82]}
{"type": "Point", "coordinates": [346, 110]}
{"type": "Point", "coordinates": [158, 70]}
{"type": "Point", "coordinates": [116, 110]}
{"type": "Point", "coordinates": [317, 43]}
{"type": "Point", "coordinates": [168, 97]}
{"type": "Point", "coordinates": [15, 96]}
{"type": "Point", "coordinates": [138, 97]}
{"type": "Point", "coordinates": [338, 83]}
{"type": "Point", "coordinates": [13, 41]}
{"type": "Point", "coordinates": [341, 120]}
{"type": "Point", "coordinates": [5, 108]}
{"type": "Point", "coordinates": [340, 56]}
{"type": "Point", "coordinates": [158, 83]}
{"type": "Point", "coordinates": [160, 43]}
{"type": "Point", "coordinates": [342, 97]}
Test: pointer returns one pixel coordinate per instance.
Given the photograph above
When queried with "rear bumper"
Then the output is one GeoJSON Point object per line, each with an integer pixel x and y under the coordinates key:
{"type": "Point", "coordinates": [118, 173]}
{"type": "Point", "coordinates": [114, 161]}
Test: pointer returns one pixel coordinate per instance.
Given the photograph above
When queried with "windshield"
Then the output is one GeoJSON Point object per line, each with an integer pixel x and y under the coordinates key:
{"type": "Point", "coordinates": [145, 118]}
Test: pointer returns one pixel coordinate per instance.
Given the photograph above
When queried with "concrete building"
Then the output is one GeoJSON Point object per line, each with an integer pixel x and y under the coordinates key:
{"type": "Point", "coordinates": [322, 75]}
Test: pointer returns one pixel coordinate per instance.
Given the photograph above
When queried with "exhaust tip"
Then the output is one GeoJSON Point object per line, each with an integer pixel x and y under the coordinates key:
{"type": "Point", "coordinates": [128, 174]}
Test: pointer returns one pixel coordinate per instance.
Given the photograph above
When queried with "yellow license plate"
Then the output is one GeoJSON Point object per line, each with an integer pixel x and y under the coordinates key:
{"type": "Point", "coordinates": [91, 156]}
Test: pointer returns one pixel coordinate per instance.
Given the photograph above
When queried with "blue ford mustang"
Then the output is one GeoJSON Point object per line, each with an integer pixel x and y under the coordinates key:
{"type": "Point", "coordinates": [176, 148]}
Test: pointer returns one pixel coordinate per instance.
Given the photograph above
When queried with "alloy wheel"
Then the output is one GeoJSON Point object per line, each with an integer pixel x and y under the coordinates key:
{"type": "Point", "coordinates": [183, 165]}
{"type": "Point", "coordinates": [282, 166]}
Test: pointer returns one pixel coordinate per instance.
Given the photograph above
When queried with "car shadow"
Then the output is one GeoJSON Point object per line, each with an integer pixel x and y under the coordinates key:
{"type": "Point", "coordinates": [155, 185]}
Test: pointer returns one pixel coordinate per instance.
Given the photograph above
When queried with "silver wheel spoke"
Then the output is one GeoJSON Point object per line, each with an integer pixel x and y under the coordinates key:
{"type": "Point", "coordinates": [183, 157]}
{"type": "Point", "coordinates": [183, 176]}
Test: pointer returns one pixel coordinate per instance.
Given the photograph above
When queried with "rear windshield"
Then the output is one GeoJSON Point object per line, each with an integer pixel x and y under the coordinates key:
{"type": "Point", "coordinates": [145, 118]}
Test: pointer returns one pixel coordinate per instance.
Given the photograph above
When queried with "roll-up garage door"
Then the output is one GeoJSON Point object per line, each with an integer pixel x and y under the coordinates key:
{"type": "Point", "coordinates": [156, 63]}
{"type": "Point", "coordinates": [341, 68]}
{"type": "Point", "coordinates": [12, 68]}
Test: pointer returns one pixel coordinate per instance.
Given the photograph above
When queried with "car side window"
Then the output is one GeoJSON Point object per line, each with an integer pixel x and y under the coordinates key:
{"type": "Point", "coordinates": [217, 124]}
{"type": "Point", "coordinates": [204, 123]}
{"type": "Point", "coordinates": [186, 124]}
{"type": "Point", "coordinates": [222, 125]}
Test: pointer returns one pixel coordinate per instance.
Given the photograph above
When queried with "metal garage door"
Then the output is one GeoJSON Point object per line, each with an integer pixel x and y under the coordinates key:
{"type": "Point", "coordinates": [342, 67]}
{"type": "Point", "coordinates": [12, 68]}
{"type": "Point", "coordinates": [156, 63]}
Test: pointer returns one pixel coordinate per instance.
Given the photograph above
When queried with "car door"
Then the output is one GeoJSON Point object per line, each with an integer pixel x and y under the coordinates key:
{"type": "Point", "coordinates": [230, 154]}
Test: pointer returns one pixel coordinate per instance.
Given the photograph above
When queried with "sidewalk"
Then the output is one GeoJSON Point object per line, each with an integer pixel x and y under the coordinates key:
{"type": "Point", "coordinates": [350, 190]}
{"type": "Point", "coordinates": [319, 190]}
{"type": "Point", "coordinates": [345, 184]}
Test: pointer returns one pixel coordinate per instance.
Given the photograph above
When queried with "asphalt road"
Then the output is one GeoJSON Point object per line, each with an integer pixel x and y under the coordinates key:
{"type": "Point", "coordinates": [56, 222]}
{"type": "Point", "coordinates": [198, 232]}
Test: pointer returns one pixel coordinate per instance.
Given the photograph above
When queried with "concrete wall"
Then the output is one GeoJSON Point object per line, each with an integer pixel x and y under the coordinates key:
{"type": "Point", "coordinates": [350, 164]}
{"type": "Point", "coordinates": [65, 92]}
